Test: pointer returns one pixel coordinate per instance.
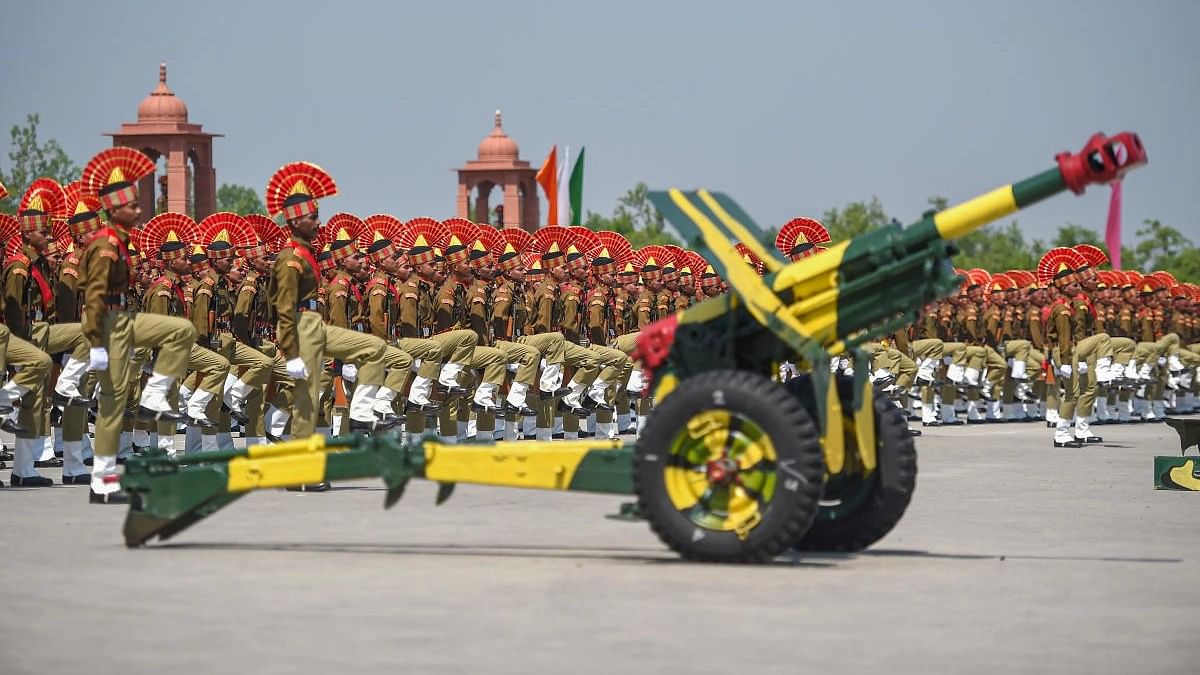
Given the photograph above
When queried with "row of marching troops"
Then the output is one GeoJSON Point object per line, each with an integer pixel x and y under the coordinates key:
{"type": "Point", "coordinates": [1068, 343]}
{"type": "Point", "coordinates": [293, 325]}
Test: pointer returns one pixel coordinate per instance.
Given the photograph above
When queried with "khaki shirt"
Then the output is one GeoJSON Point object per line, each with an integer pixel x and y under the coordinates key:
{"type": "Point", "coordinates": [293, 282]}
{"type": "Point", "coordinates": [104, 273]}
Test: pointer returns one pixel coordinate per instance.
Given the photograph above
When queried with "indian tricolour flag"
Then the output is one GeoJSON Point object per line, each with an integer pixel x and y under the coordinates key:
{"type": "Point", "coordinates": [564, 191]}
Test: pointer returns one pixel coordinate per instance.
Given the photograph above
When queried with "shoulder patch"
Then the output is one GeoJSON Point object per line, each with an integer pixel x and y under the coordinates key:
{"type": "Point", "coordinates": [294, 264]}
{"type": "Point", "coordinates": [71, 271]}
{"type": "Point", "coordinates": [410, 296]}
{"type": "Point", "coordinates": [107, 253]}
{"type": "Point", "coordinates": [377, 291]}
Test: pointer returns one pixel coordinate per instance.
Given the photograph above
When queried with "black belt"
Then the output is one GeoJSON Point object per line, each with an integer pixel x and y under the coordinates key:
{"type": "Point", "coordinates": [116, 300]}
{"type": "Point", "coordinates": [306, 306]}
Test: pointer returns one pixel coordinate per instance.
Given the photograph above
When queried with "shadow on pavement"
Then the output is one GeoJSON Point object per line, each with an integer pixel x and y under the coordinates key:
{"type": "Point", "coordinates": [623, 554]}
{"type": "Point", "coordinates": [904, 553]}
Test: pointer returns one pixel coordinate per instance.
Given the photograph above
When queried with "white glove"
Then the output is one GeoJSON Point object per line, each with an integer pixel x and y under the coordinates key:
{"type": "Point", "coordinates": [1082, 367]}
{"type": "Point", "coordinates": [349, 372]}
{"type": "Point", "coordinates": [99, 359]}
{"type": "Point", "coordinates": [1064, 370]}
{"type": "Point", "coordinates": [296, 369]}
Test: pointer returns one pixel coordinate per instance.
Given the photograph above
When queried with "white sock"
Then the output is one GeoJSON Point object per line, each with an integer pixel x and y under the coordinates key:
{"type": "Point", "coordinates": [197, 403]}
{"type": "Point", "coordinates": [104, 471]}
{"type": "Point", "coordinates": [154, 394]}
{"type": "Point", "coordinates": [362, 402]}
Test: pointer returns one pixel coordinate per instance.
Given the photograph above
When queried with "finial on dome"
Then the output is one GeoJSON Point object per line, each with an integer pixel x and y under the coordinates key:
{"type": "Point", "coordinates": [162, 72]}
{"type": "Point", "coordinates": [497, 118]}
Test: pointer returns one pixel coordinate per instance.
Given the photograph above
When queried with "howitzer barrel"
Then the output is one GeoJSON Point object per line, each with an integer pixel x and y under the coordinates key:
{"type": "Point", "coordinates": [873, 280]}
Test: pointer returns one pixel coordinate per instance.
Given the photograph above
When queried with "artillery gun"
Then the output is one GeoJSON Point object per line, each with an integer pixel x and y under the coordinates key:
{"type": "Point", "coordinates": [731, 466]}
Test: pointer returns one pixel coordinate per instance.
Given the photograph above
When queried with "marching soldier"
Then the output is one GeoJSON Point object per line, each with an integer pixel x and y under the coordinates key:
{"type": "Point", "coordinates": [106, 273]}
{"type": "Point", "coordinates": [29, 310]}
{"type": "Point", "coordinates": [253, 324]}
{"type": "Point", "coordinates": [223, 234]}
{"type": "Point", "coordinates": [347, 311]}
{"type": "Point", "coordinates": [302, 336]}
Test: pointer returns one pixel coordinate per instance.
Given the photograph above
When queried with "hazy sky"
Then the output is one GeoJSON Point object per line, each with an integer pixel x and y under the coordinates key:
{"type": "Point", "coordinates": [790, 107]}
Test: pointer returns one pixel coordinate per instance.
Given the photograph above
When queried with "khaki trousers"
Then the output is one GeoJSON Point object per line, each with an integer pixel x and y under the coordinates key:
{"type": "Point", "coordinates": [319, 342]}
{"type": "Point", "coordinates": [32, 364]}
{"type": "Point", "coordinates": [122, 332]}
{"type": "Point", "coordinates": [526, 357]}
{"type": "Point", "coordinates": [53, 339]}
{"type": "Point", "coordinates": [456, 348]}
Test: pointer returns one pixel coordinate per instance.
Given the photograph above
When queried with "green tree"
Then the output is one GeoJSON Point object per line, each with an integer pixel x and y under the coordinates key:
{"type": "Point", "coordinates": [1186, 265]}
{"type": "Point", "coordinates": [1074, 235]}
{"type": "Point", "coordinates": [1159, 245]}
{"type": "Point", "coordinates": [239, 199]}
{"type": "Point", "coordinates": [30, 159]}
{"type": "Point", "coordinates": [854, 219]}
{"type": "Point", "coordinates": [996, 248]}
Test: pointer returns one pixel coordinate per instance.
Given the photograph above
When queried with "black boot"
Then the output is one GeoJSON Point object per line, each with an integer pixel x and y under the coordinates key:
{"type": "Point", "coordinates": [77, 401]}
{"type": "Point", "coordinates": [146, 414]}
{"type": "Point", "coordinates": [118, 497]}
{"type": "Point", "coordinates": [32, 481]}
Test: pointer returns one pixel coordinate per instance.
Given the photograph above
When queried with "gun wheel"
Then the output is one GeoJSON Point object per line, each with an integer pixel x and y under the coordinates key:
{"type": "Point", "coordinates": [729, 468]}
{"type": "Point", "coordinates": [857, 511]}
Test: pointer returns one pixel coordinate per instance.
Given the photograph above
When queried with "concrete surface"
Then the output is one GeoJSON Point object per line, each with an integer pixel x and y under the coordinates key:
{"type": "Point", "coordinates": [1013, 558]}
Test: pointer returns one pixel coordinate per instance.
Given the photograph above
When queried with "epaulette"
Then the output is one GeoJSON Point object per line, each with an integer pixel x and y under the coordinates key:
{"type": "Point", "coordinates": [295, 264]}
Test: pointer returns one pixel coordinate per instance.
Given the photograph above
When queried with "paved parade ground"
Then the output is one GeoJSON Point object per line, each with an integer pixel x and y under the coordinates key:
{"type": "Point", "coordinates": [1013, 558]}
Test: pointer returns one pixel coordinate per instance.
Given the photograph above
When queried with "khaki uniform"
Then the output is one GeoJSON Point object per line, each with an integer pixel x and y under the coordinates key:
{"type": "Point", "coordinates": [302, 334]}
{"type": "Point", "coordinates": [105, 279]}
{"type": "Point", "coordinates": [28, 311]}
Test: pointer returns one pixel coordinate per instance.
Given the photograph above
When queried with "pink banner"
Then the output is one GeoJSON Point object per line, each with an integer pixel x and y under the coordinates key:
{"type": "Point", "coordinates": [1112, 233]}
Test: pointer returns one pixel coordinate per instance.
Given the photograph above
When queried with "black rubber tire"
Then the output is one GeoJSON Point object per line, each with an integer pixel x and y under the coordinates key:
{"type": "Point", "coordinates": [882, 509]}
{"type": "Point", "coordinates": [780, 416]}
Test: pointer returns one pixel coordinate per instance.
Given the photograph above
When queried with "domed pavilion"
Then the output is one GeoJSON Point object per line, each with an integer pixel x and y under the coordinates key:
{"type": "Point", "coordinates": [499, 165]}
{"type": "Point", "coordinates": [163, 130]}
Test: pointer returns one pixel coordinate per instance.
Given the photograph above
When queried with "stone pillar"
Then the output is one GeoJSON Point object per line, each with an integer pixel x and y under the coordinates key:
{"type": "Point", "coordinates": [177, 178]}
{"type": "Point", "coordinates": [462, 203]}
{"type": "Point", "coordinates": [206, 191]}
{"type": "Point", "coordinates": [530, 217]}
{"type": "Point", "coordinates": [147, 198]}
{"type": "Point", "coordinates": [482, 207]}
{"type": "Point", "coordinates": [512, 205]}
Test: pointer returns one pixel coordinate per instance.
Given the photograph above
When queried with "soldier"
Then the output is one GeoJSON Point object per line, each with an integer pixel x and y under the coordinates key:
{"type": "Point", "coordinates": [302, 336]}
{"type": "Point", "coordinates": [106, 273]}
{"type": "Point", "coordinates": [510, 323]}
{"type": "Point", "coordinates": [602, 329]}
{"type": "Point", "coordinates": [253, 324]}
{"type": "Point", "coordinates": [453, 313]}
{"type": "Point", "coordinates": [417, 319]}
{"type": "Point", "coordinates": [28, 311]}
{"type": "Point", "coordinates": [550, 245]}
{"type": "Point", "coordinates": [382, 296]}
{"type": "Point", "coordinates": [1057, 272]}
{"type": "Point", "coordinates": [223, 234]}
{"type": "Point", "coordinates": [32, 367]}
{"type": "Point", "coordinates": [348, 311]}
{"type": "Point", "coordinates": [523, 356]}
